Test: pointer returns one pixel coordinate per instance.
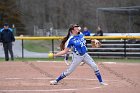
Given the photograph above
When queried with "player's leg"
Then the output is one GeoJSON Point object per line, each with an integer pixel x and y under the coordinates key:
{"type": "Point", "coordinates": [10, 50]}
{"type": "Point", "coordinates": [5, 46]}
{"type": "Point", "coordinates": [75, 62]}
{"type": "Point", "coordinates": [92, 64]}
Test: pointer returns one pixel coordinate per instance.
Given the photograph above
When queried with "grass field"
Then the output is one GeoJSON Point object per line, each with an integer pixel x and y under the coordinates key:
{"type": "Point", "coordinates": [41, 46]}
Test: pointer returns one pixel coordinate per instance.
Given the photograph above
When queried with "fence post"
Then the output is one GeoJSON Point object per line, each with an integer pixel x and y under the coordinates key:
{"type": "Point", "coordinates": [125, 48]}
{"type": "Point", "coordinates": [52, 46]}
{"type": "Point", "coordinates": [22, 48]}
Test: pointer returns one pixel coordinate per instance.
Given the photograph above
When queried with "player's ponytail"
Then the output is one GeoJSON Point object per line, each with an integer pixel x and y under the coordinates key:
{"type": "Point", "coordinates": [62, 45]}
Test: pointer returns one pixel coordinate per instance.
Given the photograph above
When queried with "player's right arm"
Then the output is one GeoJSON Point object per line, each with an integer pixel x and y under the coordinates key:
{"type": "Point", "coordinates": [62, 52]}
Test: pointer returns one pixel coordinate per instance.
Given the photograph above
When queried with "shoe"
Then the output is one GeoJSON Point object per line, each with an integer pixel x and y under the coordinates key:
{"type": "Point", "coordinates": [82, 63]}
{"type": "Point", "coordinates": [102, 83]}
{"type": "Point", "coordinates": [6, 59]}
{"type": "Point", "coordinates": [53, 82]}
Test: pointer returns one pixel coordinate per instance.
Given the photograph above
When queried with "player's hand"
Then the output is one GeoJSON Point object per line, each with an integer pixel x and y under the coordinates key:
{"type": "Point", "coordinates": [50, 55]}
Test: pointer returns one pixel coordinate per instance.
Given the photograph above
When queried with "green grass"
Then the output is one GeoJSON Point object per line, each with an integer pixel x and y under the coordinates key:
{"type": "Point", "coordinates": [41, 46]}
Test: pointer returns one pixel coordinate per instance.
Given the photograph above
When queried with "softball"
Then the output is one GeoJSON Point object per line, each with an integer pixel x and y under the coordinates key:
{"type": "Point", "coordinates": [50, 55]}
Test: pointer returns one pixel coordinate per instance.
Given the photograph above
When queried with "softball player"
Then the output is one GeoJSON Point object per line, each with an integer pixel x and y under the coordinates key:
{"type": "Point", "coordinates": [76, 41]}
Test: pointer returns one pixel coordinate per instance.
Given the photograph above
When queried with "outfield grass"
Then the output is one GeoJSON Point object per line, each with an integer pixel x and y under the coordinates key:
{"type": "Point", "coordinates": [62, 59]}
{"type": "Point", "coordinates": [42, 46]}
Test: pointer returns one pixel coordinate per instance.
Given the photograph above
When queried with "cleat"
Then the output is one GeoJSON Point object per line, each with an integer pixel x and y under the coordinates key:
{"type": "Point", "coordinates": [82, 63]}
{"type": "Point", "coordinates": [53, 82]}
{"type": "Point", "coordinates": [102, 83]}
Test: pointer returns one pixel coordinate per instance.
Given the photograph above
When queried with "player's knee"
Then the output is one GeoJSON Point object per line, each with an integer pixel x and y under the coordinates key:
{"type": "Point", "coordinates": [97, 72]}
{"type": "Point", "coordinates": [67, 73]}
{"type": "Point", "coordinates": [95, 67]}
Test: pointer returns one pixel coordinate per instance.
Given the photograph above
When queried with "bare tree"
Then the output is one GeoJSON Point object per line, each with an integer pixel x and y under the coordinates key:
{"type": "Point", "coordinates": [61, 13]}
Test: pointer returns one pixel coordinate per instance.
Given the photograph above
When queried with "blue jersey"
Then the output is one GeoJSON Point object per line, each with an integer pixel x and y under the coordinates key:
{"type": "Point", "coordinates": [77, 43]}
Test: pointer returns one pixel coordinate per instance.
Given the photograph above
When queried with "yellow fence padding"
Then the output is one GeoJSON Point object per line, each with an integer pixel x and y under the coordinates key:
{"type": "Point", "coordinates": [87, 37]}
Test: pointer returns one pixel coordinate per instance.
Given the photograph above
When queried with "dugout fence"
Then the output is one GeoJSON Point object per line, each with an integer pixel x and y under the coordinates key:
{"type": "Point", "coordinates": [112, 46]}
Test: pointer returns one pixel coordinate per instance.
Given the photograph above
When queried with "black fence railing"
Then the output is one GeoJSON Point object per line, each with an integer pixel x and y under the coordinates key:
{"type": "Point", "coordinates": [116, 48]}
{"type": "Point", "coordinates": [112, 46]}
